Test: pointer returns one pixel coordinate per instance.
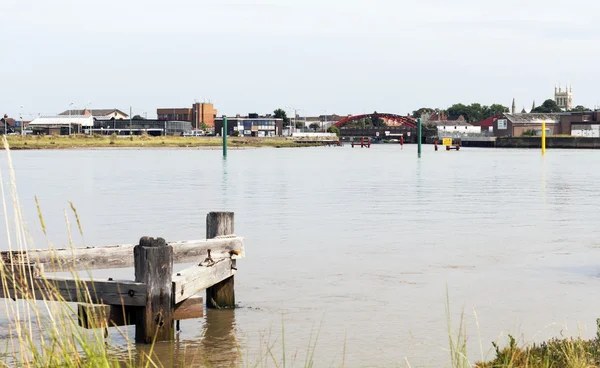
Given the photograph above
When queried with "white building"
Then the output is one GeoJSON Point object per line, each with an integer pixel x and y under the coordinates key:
{"type": "Point", "coordinates": [456, 129]}
{"type": "Point", "coordinates": [59, 123]}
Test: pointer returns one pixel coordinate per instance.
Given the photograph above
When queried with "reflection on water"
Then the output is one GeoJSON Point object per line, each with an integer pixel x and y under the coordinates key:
{"type": "Point", "coordinates": [363, 241]}
{"type": "Point", "coordinates": [218, 346]}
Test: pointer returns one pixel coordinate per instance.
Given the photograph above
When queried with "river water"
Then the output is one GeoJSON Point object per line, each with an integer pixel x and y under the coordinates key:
{"type": "Point", "coordinates": [357, 246]}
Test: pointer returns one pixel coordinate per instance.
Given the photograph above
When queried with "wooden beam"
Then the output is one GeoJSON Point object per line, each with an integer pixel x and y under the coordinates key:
{"type": "Point", "coordinates": [101, 316]}
{"type": "Point", "coordinates": [194, 279]}
{"type": "Point", "coordinates": [221, 294]}
{"type": "Point", "coordinates": [121, 256]}
{"type": "Point", "coordinates": [127, 293]}
{"type": "Point", "coordinates": [154, 267]}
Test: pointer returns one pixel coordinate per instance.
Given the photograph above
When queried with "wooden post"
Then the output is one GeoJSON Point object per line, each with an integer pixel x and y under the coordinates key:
{"type": "Point", "coordinates": [220, 295]}
{"type": "Point", "coordinates": [153, 260]}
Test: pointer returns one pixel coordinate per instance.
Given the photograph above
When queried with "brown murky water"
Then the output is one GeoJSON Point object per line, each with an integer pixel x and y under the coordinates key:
{"type": "Point", "coordinates": [355, 245]}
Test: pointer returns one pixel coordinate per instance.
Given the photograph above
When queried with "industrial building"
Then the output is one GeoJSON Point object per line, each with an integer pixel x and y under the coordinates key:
{"type": "Point", "coordinates": [81, 124]}
{"type": "Point", "coordinates": [61, 124]}
{"type": "Point", "coordinates": [201, 115]}
{"type": "Point", "coordinates": [251, 126]}
{"type": "Point", "coordinates": [152, 127]}
{"type": "Point", "coordinates": [514, 125]}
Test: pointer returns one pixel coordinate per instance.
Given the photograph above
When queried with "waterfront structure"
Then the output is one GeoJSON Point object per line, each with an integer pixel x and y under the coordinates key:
{"type": "Point", "coordinates": [97, 113]}
{"type": "Point", "coordinates": [515, 125]}
{"type": "Point", "coordinates": [456, 129]}
{"type": "Point", "coordinates": [564, 99]}
{"type": "Point", "coordinates": [61, 124]}
{"type": "Point", "coordinates": [252, 125]}
{"type": "Point", "coordinates": [581, 123]}
{"type": "Point", "coordinates": [201, 114]}
{"type": "Point", "coordinates": [153, 127]}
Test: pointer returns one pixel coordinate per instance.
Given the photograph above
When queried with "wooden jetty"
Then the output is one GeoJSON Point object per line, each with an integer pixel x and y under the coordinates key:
{"type": "Point", "coordinates": [155, 299]}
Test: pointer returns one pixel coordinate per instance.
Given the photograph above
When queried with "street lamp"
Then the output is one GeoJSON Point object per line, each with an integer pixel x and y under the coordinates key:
{"type": "Point", "coordinates": [71, 104]}
{"type": "Point", "coordinates": [21, 119]}
{"type": "Point", "coordinates": [89, 103]}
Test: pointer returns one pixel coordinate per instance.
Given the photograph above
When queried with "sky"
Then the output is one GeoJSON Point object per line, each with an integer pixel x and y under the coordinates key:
{"type": "Point", "coordinates": [316, 57]}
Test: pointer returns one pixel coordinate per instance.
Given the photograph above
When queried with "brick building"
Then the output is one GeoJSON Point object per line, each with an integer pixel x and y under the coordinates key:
{"type": "Point", "coordinates": [581, 123]}
{"type": "Point", "coordinates": [201, 114]}
{"type": "Point", "coordinates": [514, 125]}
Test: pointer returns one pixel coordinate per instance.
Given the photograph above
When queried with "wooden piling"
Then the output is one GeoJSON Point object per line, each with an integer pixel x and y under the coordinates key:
{"type": "Point", "coordinates": [220, 295]}
{"type": "Point", "coordinates": [153, 261]}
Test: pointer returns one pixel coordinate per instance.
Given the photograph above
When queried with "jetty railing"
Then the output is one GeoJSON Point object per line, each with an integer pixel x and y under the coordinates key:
{"type": "Point", "coordinates": [155, 299]}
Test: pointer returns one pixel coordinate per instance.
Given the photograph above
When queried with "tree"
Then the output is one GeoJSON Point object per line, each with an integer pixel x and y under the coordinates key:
{"type": "Point", "coordinates": [496, 109]}
{"type": "Point", "coordinates": [376, 121]}
{"type": "Point", "coordinates": [419, 113]}
{"type": "Point", "coordinates": [137, 117]}
{"type": "Point", "coordinates": [281, 114]}
{"type": "Point", "coordinates": [548, 106]}
{"type": "Point", "coordinates": [299, 124]}
{"type": "Point", "coordinates": [456, 110]}
{"type": "Point", "coordinates": [334, 129]}
{"type": "Point", "coordinates": [580, 108]}
{"type": "Point", "coordinates": [314, 126]}
{"type": "Point", "coordinates": [475, 111]}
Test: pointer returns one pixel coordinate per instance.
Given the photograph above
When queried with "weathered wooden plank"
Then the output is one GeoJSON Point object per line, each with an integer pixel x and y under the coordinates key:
{"type": "Point", "coordinates": [121, 256]}
{"type": "Point", "coordinates": [100, 316]}
{"type": "Point", "coordinates": [194, 279]}
{"type": "Point", "coordinates": [221, 294]}
{"type": "Point", "coordinates": [153, 260]}
{"type": "Point", "coordinates": [128, 293]}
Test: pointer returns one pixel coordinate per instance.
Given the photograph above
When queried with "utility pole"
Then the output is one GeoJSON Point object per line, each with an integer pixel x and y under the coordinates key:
{"type": "Point", "coordinates": [21, 118]}
{"type": "Point", "coordinates": [419, 126]}
{"type": "Point", "coordinates": [224, 136]}
{"type": "Point", "coordinates": [71, 104]}
{"type": "Point", "coordinates": [130, 118]}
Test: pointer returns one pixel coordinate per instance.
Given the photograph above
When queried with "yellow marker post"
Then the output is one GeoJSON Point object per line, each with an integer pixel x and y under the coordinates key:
{"type": "Point", "coordinates": [543, 137]}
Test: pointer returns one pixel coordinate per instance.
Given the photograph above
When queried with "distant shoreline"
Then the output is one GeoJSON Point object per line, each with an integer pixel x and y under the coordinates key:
{"type": "Point", "coordinates": [145, 142]}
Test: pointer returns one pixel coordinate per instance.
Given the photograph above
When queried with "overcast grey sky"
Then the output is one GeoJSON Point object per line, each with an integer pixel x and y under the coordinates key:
{"type": "Point", "coordinates": [339, 56]}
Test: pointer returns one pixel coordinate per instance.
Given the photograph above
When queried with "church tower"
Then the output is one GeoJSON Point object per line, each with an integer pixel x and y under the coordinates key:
{"type": "Point", "coordinates": [514, 107]}
{"type": "Point", "coordinates": [564, 99]}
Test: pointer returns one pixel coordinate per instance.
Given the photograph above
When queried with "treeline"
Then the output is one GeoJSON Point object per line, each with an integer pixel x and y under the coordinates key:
{"type": "Point", "coordinates": [477, 112]}
{"type": "Point", "coordinates": [471, 113]}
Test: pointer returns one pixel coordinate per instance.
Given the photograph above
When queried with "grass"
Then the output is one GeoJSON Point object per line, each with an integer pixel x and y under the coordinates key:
{"type": "Point", "coordinates": [43, 331]}
{"type": "Point", "coordinates": [556, 353]}
{"type": "Point", "coordinates": [564, 352]}
{"type": "Point", "coordinates": [17, 142]}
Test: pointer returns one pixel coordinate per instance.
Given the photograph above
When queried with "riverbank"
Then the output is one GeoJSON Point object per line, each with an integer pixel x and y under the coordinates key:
{"type": "Point", "coordinates": [103, 141]}
{"type": "Point", "coordinates": [563, 142]}
{"type": "Point", "coordinates": [563, 352]}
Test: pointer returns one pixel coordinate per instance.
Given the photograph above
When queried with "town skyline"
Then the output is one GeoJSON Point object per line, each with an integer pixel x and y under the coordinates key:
{"type": "Point", "coordinates": [152, 114]}
{"type": "Point", "coordinates": [320, 57]}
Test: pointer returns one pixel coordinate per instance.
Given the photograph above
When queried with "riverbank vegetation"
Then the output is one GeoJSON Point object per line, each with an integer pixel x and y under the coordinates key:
{"type": "Point", "coordinates": [563, 352]}
{"type": "Point", "coordinates": [144, 141]}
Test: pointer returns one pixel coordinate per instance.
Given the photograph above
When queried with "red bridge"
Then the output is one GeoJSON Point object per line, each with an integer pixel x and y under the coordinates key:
{"type": "Point", "coordinates": [390, 120]}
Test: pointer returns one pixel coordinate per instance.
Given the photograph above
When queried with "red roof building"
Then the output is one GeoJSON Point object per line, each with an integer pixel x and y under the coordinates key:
{"type": "Point", "coordinates": [487, 124]}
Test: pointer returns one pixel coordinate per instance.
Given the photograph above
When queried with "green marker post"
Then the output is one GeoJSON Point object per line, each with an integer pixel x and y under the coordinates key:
{"type": "Point", "coordinates": [224, 133]}
{"type": "Point", "coordinates": [419, 132]}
